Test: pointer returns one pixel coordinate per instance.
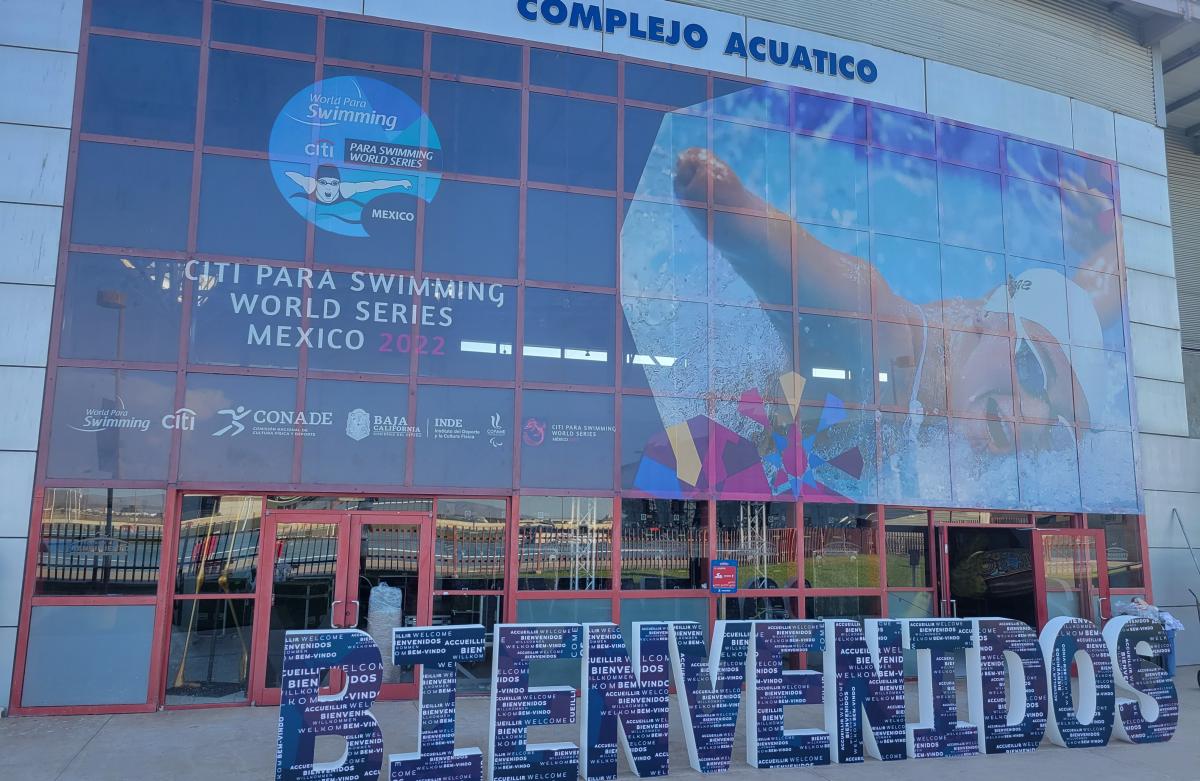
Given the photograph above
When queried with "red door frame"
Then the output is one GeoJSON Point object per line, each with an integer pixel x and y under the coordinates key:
{"type": "Point", "coordinates": [345, 607]}
{"type": "Point", "coordinates": [1100, 562]}
{"type": "Point", "coordinates": [946, 606]}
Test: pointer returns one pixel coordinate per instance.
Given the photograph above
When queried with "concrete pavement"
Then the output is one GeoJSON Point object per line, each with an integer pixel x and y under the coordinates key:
{"type": "Point", "coordinates": [238, 744]}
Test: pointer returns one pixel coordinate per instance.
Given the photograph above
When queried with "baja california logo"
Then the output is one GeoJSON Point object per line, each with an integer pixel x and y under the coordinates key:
{"type": "Point", "coordinates": [358, 425]}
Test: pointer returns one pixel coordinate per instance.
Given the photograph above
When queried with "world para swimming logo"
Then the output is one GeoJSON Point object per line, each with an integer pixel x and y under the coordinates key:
{"type": "Point", "coordinates": [353, 155]}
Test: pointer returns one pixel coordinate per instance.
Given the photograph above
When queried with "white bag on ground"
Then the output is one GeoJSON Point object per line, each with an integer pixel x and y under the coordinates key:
{"type": "Point", "coordinates": [385, 612]}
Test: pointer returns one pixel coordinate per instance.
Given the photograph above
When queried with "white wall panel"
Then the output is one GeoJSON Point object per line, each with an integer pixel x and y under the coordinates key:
{"type": "Point", "coordinates": [958, 93]}
{"type": "Point", "coordinates": [41, 24]}
{"type": "Point", "coordinates": [1156, 352]}
{"type": "Point", "coordinates": [1162, 529]}
{"type": "Point", "coordinates": [1144, 195]}
{"type": "Point", "coordinates": [1141, 145]}
{"type": "Point", "coordinates": [16, 479]}
{"type": "Point", "coordinates": [1161, 407]}
{"type": "Point", "coordinates": [34, 162]}
{"type": "Point", "coordinates": [1148, 246]}
{"type": "Point", "coordinates": [12, 570]}
{"type": "Point", "coordinates": [1169, 463]}
{"type": "Point", "coordinates": [1152, 300]}
{"type": "Point", "coordinates": [21, 388]}
{"type": "Point", "coordinates": [8, 648]}
{"type": "Point", "coordinates": [37, 87]}
{"type": "Point", "coordinates": [28, 309]}
{"type": "Point", "coordinates": [1093, 130]}
{"type": "Point", "coordinates": [1172, 572]}
{"type": "Point", "coordinates": [29, 237]}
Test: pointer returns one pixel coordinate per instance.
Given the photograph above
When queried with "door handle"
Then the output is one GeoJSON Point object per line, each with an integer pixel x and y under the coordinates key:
{"type": "Point", "coordinates": [357, 613]}
{"type": "Point", "coordinates": [1100, 605]}
{"type": "Point", "coordinates": [954, 608]}
{"type": "Point", "coordinates": [333, 614]}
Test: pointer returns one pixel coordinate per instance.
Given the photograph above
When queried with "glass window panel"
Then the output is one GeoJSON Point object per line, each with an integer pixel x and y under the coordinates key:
{"type": "Point", "coordinates": [754, 261]}
{"type": "Point", "coordinates": [124, 309]}
{"type": "Point", "coordinates": [368, 440]}
{"type": "Point", "coordinates": [140, 89]}
{"type": "Point", "coordinates": [165, 17]}
{"type": "Point", "coordinates": [759, 158]}
{"type": "Point", "coordinates": [218, 545]}
{"type": "Point", "coordinates": [566, 543]}
{"type": "Point", "coordinates": [1106, 471]}
{"type": "Point", "coordinates": [840, 446]}
{"type": "Point", "coordinates": [569, 337]}
{"type": "Point", "coordinates": [902, 132]}
{"type": "Point", "coordinates": [971, 147]}
{"type": "Point", "coordinates": [387, 590]}
{"type": "Point", "coordinates": [1048, 465]}
{"type": "Point", "coordinates": [561, 672]}
{"type": "Point", "coordinates": [1037, 296]}
{"type": "Point", "coordinates": [238, 321]}
{"type": "Point", "coordinates": [915, 453]}
{"type": "Point", "coordinates": [677, 89]}
{"type": "Point", "coordinates": [304, 589]}
{"type": "Point", "coordinates": [88, 655]}
{"type": "Point", "coordinates": [912, 368]}
{"type": "Point", "coordinates": [1030, 161]}
{"type": "Point", "coordinates": [974, 289]}
{"type": "Point", "coordinates": [664, 544]}
{"type": "Point", "coordinates": [906, 534]}
{"type": "Point", "coordinates": [983, 463]}
{"type": "Point", "coordinates": [572, 141]}
{"type": "Point", "coordinates": [908, 278]}
{"type": "Point", "coordinates": [651, 429]}
{"type": "Point", "coordinates": [835, 359]}
{"type": "Point", "coordinates": [238, 429]}
{"type": "Point", "coordinates": [1095, 308]}
{"type": "Point", "coordinates": [461, 443]}
{"type": "Point", "coordinates": [832, 269]}
{"type": "Point", "coordinates": [475, 57]}
{"type": "Point", "coordinates": [474, 677]}
{"type": "Point", "coordinates": [1090, 227]}
{"type": "Point", "coordinates": [570, 237]}
{"type": "Point", "coordinates": [771, 608]}
{"type": "Point", "coordinates": [264, 28]}
{"type": "Point", "coordinates": [1102, 387]}
{"type": "Point", "coordinates": [739, 100]}
{"type": "Point", "coordinates": [829, 117]}
{"type": "Point", "coordinates": [979, 374]}
{"type": "Point", "coordinates": [480, 128]}
{"type": "Point", "coordinates": [761, 537]}
{"type": "Point", "coordinates": [567, 440]}
{"type": "Point", "coordinates": [382, 44]}
{"type": "Point", "coordinates": [1033, 220]}
{"type": "Point", "coordinates": [209, 659]}
{"type": "Point", "coordinates": [1054, 521]}
{"type": "Point", "coordinates": [904, 198]}
{"type": "Point", "coordinates": [839, 546]}
{"type": "Point", "coordinates": [109, 424]}
{"type": "Point", "coordinates": [1044, 381]}
{"type": "Point", "coordinates": [473, 337]}
{"type": "Point", "coordinates": [361, 322]}
{"type": "Point", "coordinates": [664, 250]}
{"type": "Point", "coordinates": [112, 207]}
{"type": "Point", "coordinates": [233, 188]}
{"type": "Point", "coordinates": [670, 352]}
{"type": "Point", "coordinates": [100, 542]}
{"type": "Point", "coordinates": [751, 349]}
{"type": "Point", "coordinates": [759, 449]}
{"type": "Point", "coordinates": [489, 248]}
{"type": "Point", "coordinates": [572, 72]}
{"type": "Point", "coordinates": [910, 604]}
{"type": "Point", "coordinates": [245, 93]}
{"type": "Point", "coordinates": [1123, 548]}
{"type": "Point", "coordinates": [830, 182]}
{"type": "Point", "coordinates": [971, 210]}
{"type": "Point", "coordinates": [470, 545]}
{"type": "Point", "coordinates": [693, 609]}
{"type": "Point", "coordinates": [385, 504]}
{"type": "Point", "coordinates": [655, 143]}
{"type": "Point", "coordinates": [1086, 174]}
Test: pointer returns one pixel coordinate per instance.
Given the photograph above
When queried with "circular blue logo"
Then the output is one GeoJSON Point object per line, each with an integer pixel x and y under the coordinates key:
{"type": "Point", "coordinates": [352, 155]}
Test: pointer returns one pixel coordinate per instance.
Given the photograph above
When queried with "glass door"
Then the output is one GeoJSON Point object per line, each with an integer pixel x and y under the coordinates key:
{"type": "Point", "coordinates": [304, 556]}
{"type": "Point", "coordinates": [1072, 574]}
{"type": "Point", "coordinates": [985, 571]}
{"type": "Point", "coordinates": [391, 566]}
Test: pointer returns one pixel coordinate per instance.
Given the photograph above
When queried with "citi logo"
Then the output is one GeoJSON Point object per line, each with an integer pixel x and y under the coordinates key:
{"type": "Point", "coordinates": [320, 148]}
{"type": "Point", "coordinates": [183, 419]}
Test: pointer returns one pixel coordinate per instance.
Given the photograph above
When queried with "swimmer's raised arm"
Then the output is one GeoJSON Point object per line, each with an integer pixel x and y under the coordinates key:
{"type": "Point", "coordinates": [350, 189]}
{"type": "Point", "coordinates": [307, 182]}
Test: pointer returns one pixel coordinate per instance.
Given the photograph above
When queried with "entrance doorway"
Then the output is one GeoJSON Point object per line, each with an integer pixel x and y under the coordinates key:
{"type": "Point", "coordinates": [1030, 575]}
{"type": "Point", "coordinates": [337, 570]}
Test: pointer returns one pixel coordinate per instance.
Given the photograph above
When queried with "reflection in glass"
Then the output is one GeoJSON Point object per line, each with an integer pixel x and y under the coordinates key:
{"type": "Point", "coordinates": [970, 208]}
{"type": "Point", "coordinates": [489, 247]}
{"type": "Point", "coordinates": [231, 188]}
{"type": "Point", "coordinates": [140, 89]}
{"type": "Point", "coordinates": [481, 126]}
{"type": "Point", "coordinates": [841, 607]}
{"type": "Point", "coordinates": [1090, 227]}
{"type": "Point", "coordinates": [470, 544]}
{"type": "Point", "coordinates": [772, 608]}
{"type": "Point", "coordinates": [907, 538]}
{"type": "Point", "coordinates": [475, 676]}
{"type": "Point", "coordinates": [113, 208]}
{"type": "Point", "coordinates": [368, 440]}
{"type": "Point", "coordinates": [902, 132]}
{"type": "Point", "coordinates": [761, 537]}
{"type": "Point", "coordinates": [970, 147]}
{"type": "Point", "coordinates": [265, 28]}
{"type": "Point", "coordinates": [1030, 161]}
{"type": "Point", "coordinates": [573, 72]}
{"type": "Point", "coordinates": [100, 541]}
{"type": "Point", "coordinates": [386, 504]}
{"type": "Point", "coordinates": [569, 337]}
{"type": "Point", "coordinates": [387, 592]}
{"type": "Point", "coordinates": [829, 117]}
{"type": "Point", "coordinates": [218, 545]}
{"type": "Point", "coordinates": [835, 359]}
{"type": "Point", "coordinates": [1122, 548]}
{"type": "Point", "coordinates": [664, 544]}
{"type": "Point", "coordinates": [572, 142]}
{"type": "Point", "coordinates": [209, 659]}
{"type": "Point", "coordinates": [381, 44]}
{"type": "Point", "coordinates": [476, 57]}
{"type": "Point", "coordinates": [1033, 220]}
{"type": "Point", "coordinates": [1086, 174]}
{"type": "Point", "coordinates": [915, 453]}
{"type": "Point", "coordinates": [245, 92]}
{"type": "Point", "coordinates": [566, 543]}
{"type": "Point", "coordinates": [839, 546]}
{"type": "Point", "coordinates": [904, 195]}
{"type": "Point", "coordinates": [983, 463]}
{"type": "Point", "coordinates": [678, 89]}
{"type": "Point", "coordinates": [253, 451]}
{"type": "Point", "coordinates": [738, 100]}
{"type": "Point", "coordinates": [571, 237]}
{"type": "Point", "coordinates": [304, 587]}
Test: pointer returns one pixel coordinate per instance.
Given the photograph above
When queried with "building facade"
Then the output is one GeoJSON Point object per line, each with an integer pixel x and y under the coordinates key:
{"type": "Point", "coordinates": [337, 314]}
